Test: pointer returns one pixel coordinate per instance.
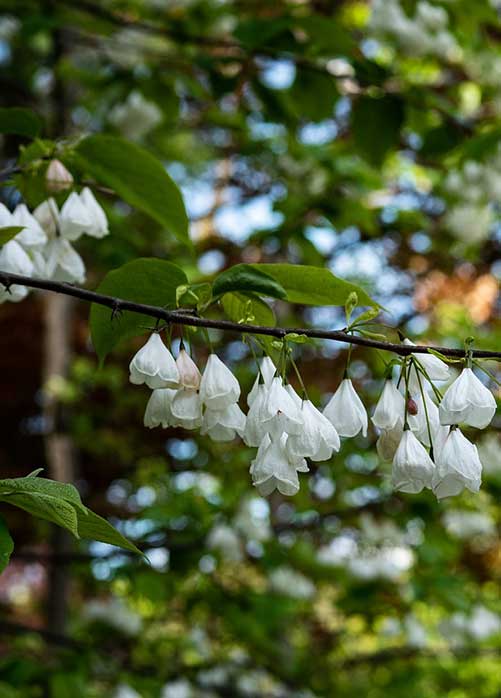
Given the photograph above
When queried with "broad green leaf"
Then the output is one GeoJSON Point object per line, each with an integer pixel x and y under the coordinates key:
{"type": "Point", "coordinates": [312, 95]}
{"type": "Point", "coordinates": [45, 506]}
{"type": "Point", "coordinates": [144, 280]}
{"type": "Point", "coordinates": [21, 122]}
{"type": "Point", "coordinates": [309, 285]}
{"type": "Point", "coordinates": [9, 232]}
{"type": "Point", "coordinates": [6, 545]}
{"type": "Point", "coordinates": [41, 486]}
{"type": "Point", "coordinates": [376, 124]}
{"type": "Point", "coordinates": [248, 278]}
{"type": "Point", "coordinates": [94, 527]}
{"type": "Point", "coordinates": [136, 176]}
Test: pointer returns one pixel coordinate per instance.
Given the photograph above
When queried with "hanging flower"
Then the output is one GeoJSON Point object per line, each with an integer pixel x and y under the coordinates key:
{"type": "Point", "coordinates": [33, 236]}
{"type": "Point", "coordinates": [279, 412]}
{"type": "Point", "coordinates": [458, 466]}
{"type": "Point", "coordinates": [413, 468]}
{"type": "Point", "coordinates": [467, 401]}
{"type": "Point", "coordinates": [224, 425]}
{"type": "Point", "coordinates": [388, 442]}
{"type": "Point", "coordinates": [154, 365]}
{"type": "Point", "coordinates": [189, 375]}
{"type": "Point", "coordinates": [99, 222]}
{"type": "Point", "coordinates": [74, 219]}
{"type": "Point", "coordinates": [158, 410]}
{"type": "Point", "coordinates": [427, 416]}
{"type": "Point", "coordinates": [218, 388]}
{"type": "Point", "coordinates": [390, 408]}
{"type": "Point", "coordinates": [62, 262]}
{"type": "Point", "coordinates": [346, 411]}
{"type": "Point", "coordinates": [14, 260]}
{"type": "Point", "coordinates": [186, 409]}
{"type": "Point", "coordinates": [255, 428]}
{"type": "Point", "coordinates": [434, 367]}
{"type": "Point", "coordinates": [47, 214]}
{"type": "Point", "coordinates": [273, 469]}
{"type": "Point", "coordinates": [317, 439]}
{"type": "Point", "coordinates": [57, 177]}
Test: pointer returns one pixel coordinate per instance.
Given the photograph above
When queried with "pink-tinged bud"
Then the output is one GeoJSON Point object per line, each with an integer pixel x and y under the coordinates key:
{"type": "Point", "coordinates": [57, 177]}
{"type": "Point", "coordinates": [189, 375]}
{"type": "Point", "coordinates": [412, 407]}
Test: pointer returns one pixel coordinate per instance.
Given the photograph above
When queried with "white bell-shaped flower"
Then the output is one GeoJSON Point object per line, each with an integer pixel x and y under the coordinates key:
{"type": "Point", "coordinates": [390, 407]}
{"type": "Point", "coordinates": [57, 177]}
{"type": "Point", "coordinates": [218, 388]}
{"type": "Point", "coordinates": [413, 468]}
{"type": "Point", "coordinates": [458, 466]}
{"type": "Point", "coordinates": [75, 219]}
{"type": "Point", "coordinates": [189, 375]}
{"type": "Point", "coordinates": [317, 439]}
{"type": "Point", "coordinates": [158, 410]}
{"type": "Point", "coordinates": [255, 428]}
{"type": "Point", "coordinates": [154, 365]}
{"type": "Point", "coordinates": [33, 235]}
{"type": "Point", "coordinates": [388, 442]}
{"type": "Point", "coordinates": [5, 217]}
{"type": "Point", "coordinates": [467, 401]}
{"type": "Point", "coordinates": [14, 260]}
{"type": "Point", "coordinates": [279, 412]}
{"type": "Point", "coordinates": [186, 409]}
{"type": "Point", "coordinates": [295, 397]}
{"type": "Point", "coordinates": [266, 373]}
{"type": "Point", "coordinates": [99, 227]}
{"type": "Point", "coordinates": [63, 263]}
{"type": "Point", "coordinates": [224, 425]}
{"type": "Point", "coordinates": [346, 411]}
{"type": "Point", "coordinates": [47, 214]}
{"type": "Point", "coordinates": [435, 368]}
{"type": "Point", "coordinates": [272, 469]}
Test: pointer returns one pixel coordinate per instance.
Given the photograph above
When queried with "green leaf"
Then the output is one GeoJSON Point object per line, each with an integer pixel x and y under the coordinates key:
{"type": "Point", "coordinates": [21, 122]}
{"type": "Point", "coordinates": [376, 124]}
{"type": "Point", "coordinates": [6, 545]}
{"type": "Point", "coordinates": [94, 527]}
{"type": "Point", "coordinates": [136, 176]}
{"type": "Point", "coordinates": [145, 280]}
{"type": "Point", "coordinates": [247, 308]}
{"type": "Point", "coordinates": [309, 285]}
{"type": "Point", "coordinates": [41, 486]}
{"type": "Point", "coordinates": [248, 278]}
{"type": "Point", "coordinates": [193, 295]}
{"type": "Point", "coordinates": [45, 506]}
{"type": "Point", "coordinates": [312, 95]}
{"type": "Point", "coordinates": [9, 232]}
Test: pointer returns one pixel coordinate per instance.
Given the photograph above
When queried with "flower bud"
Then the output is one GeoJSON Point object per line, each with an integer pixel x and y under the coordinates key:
{"type": "Point", "coordinates": [412, 407]}
{"type": "Point", "coordinates": [57, 177]}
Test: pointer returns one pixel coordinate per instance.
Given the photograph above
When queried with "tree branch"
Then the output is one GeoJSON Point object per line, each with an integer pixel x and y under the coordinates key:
{"type": "Point", "coordinates": [183, 317]}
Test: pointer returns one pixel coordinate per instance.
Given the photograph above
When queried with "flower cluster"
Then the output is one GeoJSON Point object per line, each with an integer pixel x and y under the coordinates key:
{"type": "Point", "coordinates": [419, 436]}
{"type": "Point", "coordinates": [44, 247]}
{"type": "Point", "coordinates": [424, 34]}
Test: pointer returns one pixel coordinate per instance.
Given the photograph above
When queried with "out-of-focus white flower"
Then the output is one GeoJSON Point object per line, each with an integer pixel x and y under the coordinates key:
{"type": "Point", "coordinates": [317, 439]}
{"type": "Point", "coordinates": [189, 375]}
{"type": "Point", "coordinates": [57, 177]}
{"type": "Point", "coordinates": [289, 582]}
{"type": "Point", "coordinates": [253, 519]}
{"type": "Point", "coordinates": [154, 365]}
{"type": "Point", "coordinates": [224, 539]}
{"type": "Point", "coordinates": [115, 613]}
{"type": "Point", "coordinates": [124, 691]}
{"type": "Point", "coordinates": [280, 412]}
{"type": "Point", "coordinates": [434, 367]}
{"type": "Point", "coordinates": [388, 562]}
{"type": "Point", "coordinates": [158, 410]}
{"type": "Point", "coordinates": [415, 631]}
{"type": "Point", "coordinates": [74, 219]}
{"type": "Point", "coordinates": [186, 409]}
{"type": "Point", "coordinates": [346, 411]}
{"type": "Point", "coordinates": [9, 26]}
{"type": "Point", "coordinates": [470, 223]}
{"type": "Point", "coordinates": [224, 425]}
{"type": "Point", "coordinates": [99, 222]}
{"type": "Point", "coordinates": [181, 688]}
{"type": "Point", "coordinates": [63, 263]}
{"type": "Point", "coordinates": [218, 388]}
{"type": "Point", "coordinates": [467, 401]}
{"type": "Point", "coordinates": [267, 370]}
{"type": "Point", "coordinates": [390, 408]}
{"type": "Point", "coordinates": [484, 623]}
{"type": "Point", "coordinates": [273, 468]}
{"type": "Point", "coordinates": [47, 214]}
{"type": "Point", "coordinates": [14, 260]}
{"type": "Point", "coordinates": [135, 117]}
{"type": "Point", "coordinates": [33, 236]}
{"type": "Point", "coordinates": [464, 524]}
{"type": "Point", "coordinates": [458, 466]}
{"type": "Point", "coordinates": [413, 468]}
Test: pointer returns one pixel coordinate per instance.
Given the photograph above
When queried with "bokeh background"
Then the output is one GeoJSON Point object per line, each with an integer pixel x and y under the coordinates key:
{"type": "Point", "coordinates": [358, 136]}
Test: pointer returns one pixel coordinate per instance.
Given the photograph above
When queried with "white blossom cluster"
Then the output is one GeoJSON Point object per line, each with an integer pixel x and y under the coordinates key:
{"type": "Point", "coordinates": [44, 247]}
{"type": "Point", "coordinates": [477, 187]}
{"type": "Point", "coordinates": [424, 34]}
{"type": "Point", "coordinates": [421, 438]}
{"type": "Point", "coordinates": [135, 117]}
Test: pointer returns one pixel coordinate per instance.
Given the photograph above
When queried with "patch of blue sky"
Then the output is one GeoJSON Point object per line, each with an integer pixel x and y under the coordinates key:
{"type": "Point", "coordinates": [237, 222]}
{"type": "Point", "coordinates": [277, 74]}
{"type": "Point", "coordinates": [318, 134]}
